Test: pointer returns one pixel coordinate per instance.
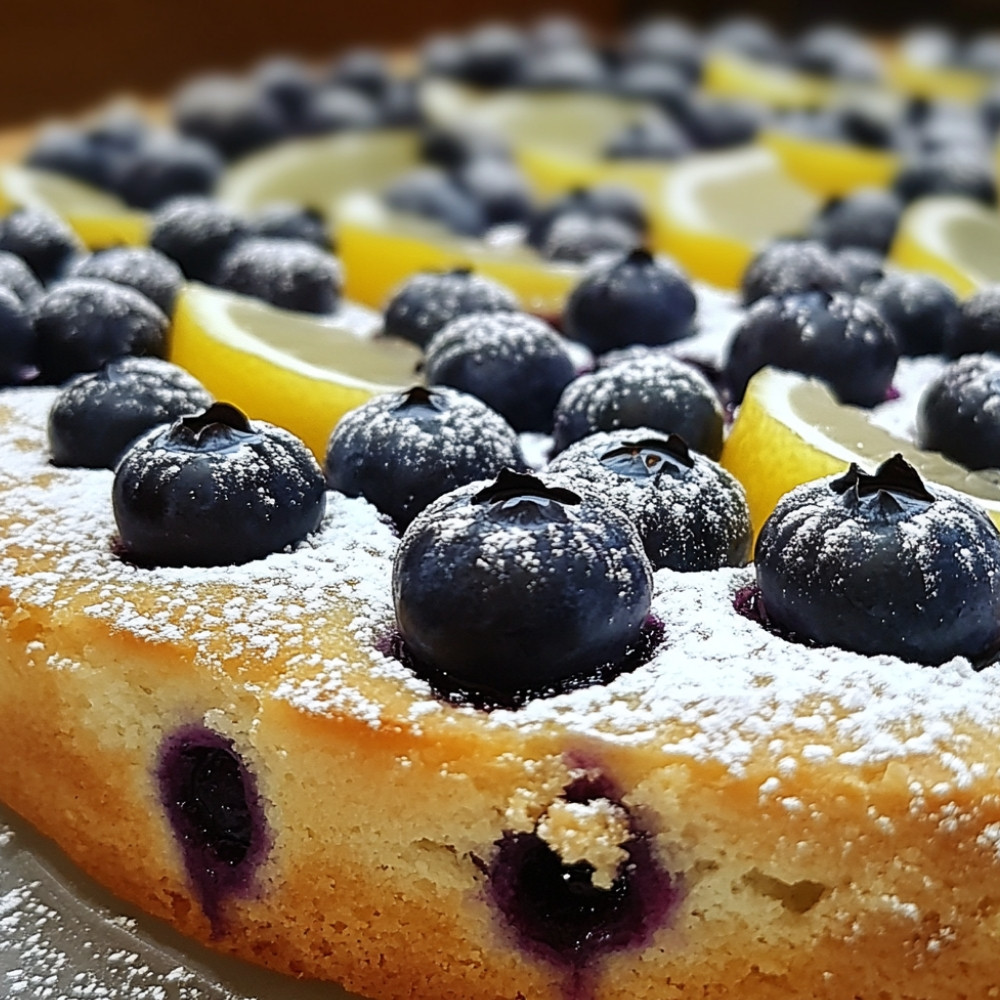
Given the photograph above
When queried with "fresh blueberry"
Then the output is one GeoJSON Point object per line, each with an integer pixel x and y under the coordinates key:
{"type": "Point", "coordinates": [579, 237]}
{"type": "Point", "coordinates": [290, 274]}
{"type": "Point", "coordinates": [669, 41]}
{"type": "Point", "coordinates": [788, 266]}
{"type": "Point", "coordinates": [42, 240]}
{"type": "Point", "coordinates": [401, 106]}
{"type": "Point", "coordinates": [229, 114]}
{"type": "Point", "coordinates": [864, 268]}
{"type": "Point", "coordinates": [403, 450]}
{"type": "Point", "coordinates": [166, 167]}
{"type": "Point", "coordinates": [661, 393]}
{"type": "Point", "coordinates": [286, 83]}
{"type": "Point", "coordinates": [716, 123]}
{"type": "Point", "coordinates": [214, 489]}
{"type": "Point", "coordinates": [442, 55]}
{"type": "Point", "coordinates": [982, 54]}
{"type": "Point", "coordinates": [196, 233]}
{"type": "Point", "coordinates": [652, 137]}
{"type": "Point", "coordinates": [284, 220]}
{"type": "Point", "coordinates": [18, 346]}
{"type": "Point", "coordinates": [883, 563]}
{"type": "Point", "coordinates": [216, 814]}
{"type": "Point", "coordinates": [838, 52]}
{"type": "Point", "coordinates": [499, 187]}
{"type": "Point", "coordinates": [452, 146]}
{"type": "Point", "coordinates": [83, 323]}
{"type": "Point", "coordinates": [492, 56]}
{"type": "Point", "coordinates": [632, 299]}
{"type": "Point", "coordinates": [921, 310]}
{"type": "Point", "coordinates": [336, 108]}
{"type": "Point", "coordinates": [605, 201]}
{"type": "Point", "coordinates": [70, 151]}
{"type": "Point", "coordinates": [748, 36]}
{"type": "Point", "coordinates": [568, 67]}
{"type": "Point", "coordinates": [867, 217]}
{"type": "Point", "coordinates": [142, 268]}
{"type": "Point", "coordinates": [654, 82]}
{"type": "Point", "coordinates": [514, 362]}
{"type": "Point", "coordinates": [431, 194]}
{"type": "Point", "coordinates": [838, 338]}
{"type": "Point", "coordinates": [959, 412]}
{"type": "Point", "coordinates": [96, 416]}
{"type": "Point", "coordinates": [555, 32]}
{"type": "Point", "coordinates": [946, 172]}
{"type": "Point", "coordinates": [691, 514]}
{"type": "Point", "coordinates": [17, 277]}
{"type": "Point", "coordinates": [362, 69]}
{"type": "Point", "coordinates": [978, 328]}
{"type": "Point", "coordinates": [429, 300]}
{"type": "Point", "coordinates": [483, 575]}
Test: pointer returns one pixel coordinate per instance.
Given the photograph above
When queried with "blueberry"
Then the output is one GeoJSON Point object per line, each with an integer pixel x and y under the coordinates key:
{"type": "Point", "coordinates": [214, 489]}
{"type": "Point", "coordinates": [748, 36]}
{"type": "Point", "coordinates": [579, 237]}
{"type": "Point", "coordinates": [921, 310]}
{"type": "Point", "coordinates": [364, 70]}
{"type": "Point", "coordinates": [958, 414]}
{"type": "Point", "coordinates": [42, 240]}
{"type": "Point", "coordinates": [499, 187]}
{"type": "Point", "coordinates": [662, 394]}
{"type": "Point", "coordinates": [839, 338]}
{"type": "Point", "coordinates": [605, 201]}
{"type": "Point", "coordinates": [632, 299]}
{"type": "Point", "coordinates": [691, 514]}
{"type": "Point", "coordinates": [715, 123]}
{"type": "Point", "coordinates": [657, 83]}
{"type": "Point", "coordinates": [883, 563]}
{"type": "Point", "coordinates": [82, 323]}
{"type": "Point", "coordinates": [18, 348]}
{"type": "Point", "coordinates": [431, 194]}
{"type": "Point", "coordinates": [653, 137]}
{"type": "Point", "coordinates": [142, 268]}
{"type": "Point", "coordinates": [401, 106]}
{"type": "Point", "coordinates": [564, 68]}
{"type": "Point", "coordinates": [788, 266]}
{"type": "Point", "coordinates": [429, 300]}
{"type": "Point", "coordinates": [982, 54]}
{"type": "Point", "coordinates": [289, 274]}
{"type": "Point", "coordinates": [946, 172]}
{"type": "Point", "coordinates": [402, 450]}
{"type": "Point", "coordinates": [483, 575]}
{"type": "Point", "coordinates": [196, 233]}
{"type": "Point", "coordinates": [978, 328]}
{"type": "Point", "coordinates": [230, 114]}
{"type": "Point", "coordinates": [864, 268]}
{"type": "Point", "coordinates": [335, 108]}
{"type": "Point", "coordinates": [286, 83]}
{"type": "Point", "coordinates": [453, 146]}
{"type": "Point", "coordinates": [492, 56]}
{"type": "Point", "coordinates": [70, 151]}
{"type": "Point", "coordinates": [669, 41]}
{"type": "Point", "coordinates": [17, 277]}
{"type": "Point", "coordinates": [867, 217]}
{"type": "Point", "coordinates": [96, 416]}
{"type": "Point", "coordinates": [514, 362]}
{"type": "Point", "coordinates": [166, 167]}
{"type": "Point", "coordinates": [215, 812]}
{"type": "Point", "coordinates": [283, 220]}
{"type": "Point", "coordinates": [442, 55]}
{"type": "Point", "coordinates": [839, 52]}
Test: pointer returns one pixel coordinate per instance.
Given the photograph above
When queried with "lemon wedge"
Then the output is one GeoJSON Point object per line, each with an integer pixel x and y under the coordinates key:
{"type": "Point", "coordinates": [727, 74]}
{"type": "Point", "coordinates": [379, 248]}
{"type": "Point", "coordinates": [936, 82]}
{"type": "Point", "coordinates": [954, 238]}
{"type": "Point", "coordinates": [790, 429]}
{"type": "Point", "coordinates": [720, 208]}
{"type": "Point", "coordinates": [299, 371]}
{"type": "Point", "coordinates": [98, 218]}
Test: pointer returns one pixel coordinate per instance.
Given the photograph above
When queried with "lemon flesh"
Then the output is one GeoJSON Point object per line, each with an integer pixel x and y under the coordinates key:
{"type": "Point", "coordinates": [719, 209]}
{"type": "Point", "coordinates": [790, 429]}
{"type": "Point", "coordinates": [298, 371]}
{"type": "Point", "coordinates": [954, 238]}
{"type": "Point", "coordinates": [98, 218]}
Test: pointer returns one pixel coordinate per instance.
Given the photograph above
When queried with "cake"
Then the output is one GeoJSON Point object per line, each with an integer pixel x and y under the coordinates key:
{"type": "Point", "coordinates": [249, 753]}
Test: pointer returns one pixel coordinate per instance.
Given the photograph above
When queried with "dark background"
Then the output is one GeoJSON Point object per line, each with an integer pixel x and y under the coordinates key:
{"type": "Point", "coordinates": [60, 57]}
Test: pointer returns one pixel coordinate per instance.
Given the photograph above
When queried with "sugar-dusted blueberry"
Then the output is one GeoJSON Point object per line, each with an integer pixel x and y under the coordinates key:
{"type": "Point", "coordinates": [668, 40]}
{"type": "Point", "coordinates": [655, 82]}
{"type": "Point", "coordinates": [652, 137]}
{"type": "Point", "coordinates": [867, 217]}
{"type": "Point", "coordinates": [336, 108]}
{"type": "Point", "coordinates": [578, 237]}
{"type": "Point", "coordinates": [42, 240]}
{"type": "Point", "coordinates": [363, 69]}
{"type": "Point", "coordinates": [429, 300]}
{"type": "Point", "coordinates": [215, 811]}
{"type": "Point", "coordinates": [948, 171]}
{"type": "Point", "coordinates": [883, 563]}
{"type": "Point", "coordinates": [836, 51]}
{"type": "Point", "coordinates": [978, 328]}
{"type": "Point", "coordinates": [567, 67]}
{"type": "Point", "coordinates": [959, 412]}
{"type": "Point", "coordinates": [517, 586]}
{"type": "Point", "coordinates": [839, 338]}
{"type": "Point", "coordinates": [634, 298]}
{"type": "Point", "coordinates": [788, 266]}
{"type": "Point", "coordinates": [82, 323]}
{"type": "Point", "coordinates": [214, 489]}
{"type": "Point", "coordinates": [492, 55]}
{"type": "Point", "coordinates": [864, 268]}
{"type": "Point", "coordinates": [720, 123]}
{"type": "Point", "coordinates": [196, 233]}
{"type": "Point", "coordinates": [747, 35]}
{"type": "Point", "coordinates": [290, 274]}
{"type": "Point", "coordinates": [168, 166]}
{"type": "Point", "coordinates": [17, 277]}
{"type": "Point", "coordinates": [142, 268]}
{"type": "Point", "coordinates": [921, 310]}
{"type": "Point", "coordinates": [690, 513]}
{"type": "Point", "coordinates": [432, 194]}
{"type": "Point", "coordinates": [286, 220]}
{"type": "Point", "coordinates": [601, 200]}
{"type": "Point", "coordinates": [402, 450]}
{"type": "Point", "coordinates": [287, 83]}
{"type": "Point", "coordinates": [68, 150]}
{"type": "Point", "coordinates": [18, 347]}
{"type": "Point", "coordinates": [97, 415]}
{"type": "Point", "coordinates": [660, 393]}
{"type": "Point", "coordinates": [514, 362]}
{"type": "Point", "coordinates": [498, 186]}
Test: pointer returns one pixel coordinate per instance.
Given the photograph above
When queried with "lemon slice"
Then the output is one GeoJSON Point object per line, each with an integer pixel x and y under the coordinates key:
{"type": "Point", "coordinates": [830, 168]}
{"type": "Point", "coordinates": [955, 238]}
{"type": "Point", "coordinates": [727, 74]}
{"type": "Point", "coordinates": [298, 371]}
{"type": "Point", "coordinates": [936, 82]}
{"type": "Point", "coordinates": [720, 208]}
{"type": "Point", "coordinates": [791, 429]}
{"type": "Point", "coordinates": [98, 218]}
{"type": "Point", "coordinates": [379, 248]}
{"type": "Point", "coordinates": [317, 172]}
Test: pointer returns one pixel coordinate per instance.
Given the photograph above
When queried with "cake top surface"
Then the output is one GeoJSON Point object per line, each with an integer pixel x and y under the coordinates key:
{"type": "Point", "coordinates": [308, 626]}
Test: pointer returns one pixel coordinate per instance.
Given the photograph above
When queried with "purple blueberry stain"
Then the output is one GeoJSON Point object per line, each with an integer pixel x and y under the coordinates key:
{"type": "Point", "coordinates": [216, 815]}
